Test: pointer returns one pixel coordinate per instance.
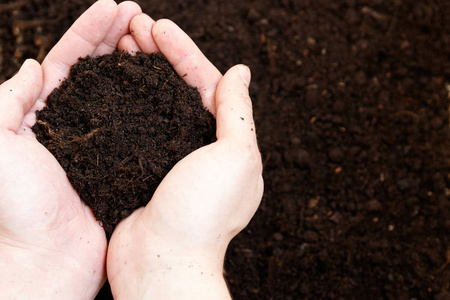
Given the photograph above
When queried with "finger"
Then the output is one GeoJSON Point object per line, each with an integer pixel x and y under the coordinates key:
{"type": "Point", "coordinates": [128, 43]}
{"type": "Point", "coordinates": [82, 39]}
{"type": "Point", "coordinates": [234, 107]}
{"type": "Point", "coordinates": [30, 118]}
{"type": "Point", "coordinates": [126, 12]}
{"type": "Point", "coordinates": [18, 95]}
{"type": "Point", "coordinates": [141, 30]}
{"type": "Point", "coordinates": [187, 60]}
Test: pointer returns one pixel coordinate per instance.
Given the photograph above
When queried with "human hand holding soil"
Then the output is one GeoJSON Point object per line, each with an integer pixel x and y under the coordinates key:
{"type": "Point", "coordinates": [49, 238]}
{"type": "Point", "coordinates": [51, 246]}
{"type": "Point", "coordinates": [175, 246]}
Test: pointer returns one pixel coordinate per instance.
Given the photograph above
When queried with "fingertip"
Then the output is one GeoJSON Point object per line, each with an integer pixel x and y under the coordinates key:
{"type": "Point", "coordinates": [32, 70]}
{"type": "Point", "coordinates": [142, 19]}
{"type": "Point", "coordinates": [187, 60]}
{"type": "Point", "coordinates": [29, 63]}
{"type": "Point", "coordinates": [173, 42]}
{"type": "Point", "coordinates": [139, 21]}
{"type": "Point", "coordinates": [94, 24]}
{"type": "Point", "coordinates": [108, 8]}
{"type": "Point", "coordinates": [164, 30]}
{"type": "Point", "coordinates": [33, 77]}
{"type": "Point", "coordinates": [107, 3]}
{"type": "Point", "coordinates": [245, 73]}
{"type": "Point", "coordinates": [127, 43]}
{"type": "Point", "coordinates": [237, 78]}
{"type": "Point", "coordinates": [141, 27]}
{"type": "Point", "coordinates": [19, 94]}
{"type": "Point", "coordinates": [126, 11]}
{"type": "Point", "coordinates": [162, 24]}
{"type": "Point", "coordinates": [130, 6]}
{"type": "Point", "coordinates": [234, 106]}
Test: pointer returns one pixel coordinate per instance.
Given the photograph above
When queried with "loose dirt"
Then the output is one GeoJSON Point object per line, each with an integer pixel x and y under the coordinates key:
{"type": "Point", "coordinates": [117, 125]}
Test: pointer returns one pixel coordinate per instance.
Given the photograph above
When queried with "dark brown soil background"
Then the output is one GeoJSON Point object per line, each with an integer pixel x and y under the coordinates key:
{"type": "Point", "coordinates": [117, 125]}
{"type": "Point", "coordinates": [351, 100]}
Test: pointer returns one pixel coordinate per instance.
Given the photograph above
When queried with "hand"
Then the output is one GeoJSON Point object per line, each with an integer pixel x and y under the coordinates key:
{"type": "Point", "coordinates": [51, 246]}
{"type": "Point", "coordinates": [174, 248]}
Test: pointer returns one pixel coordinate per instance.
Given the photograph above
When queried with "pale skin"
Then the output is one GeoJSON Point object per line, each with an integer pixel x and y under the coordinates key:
{"type": "Point", "coordinates": [51, 247]}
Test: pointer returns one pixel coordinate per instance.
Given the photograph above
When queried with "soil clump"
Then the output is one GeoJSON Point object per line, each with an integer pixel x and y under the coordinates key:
{"type": "Point", "coordinates": [117, 126]}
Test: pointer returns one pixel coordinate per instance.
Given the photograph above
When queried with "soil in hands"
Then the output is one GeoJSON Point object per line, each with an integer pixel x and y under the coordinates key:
{"type": "Point", "coordinates": [117, 126]}
{"type": "Point", "coordinates": [351, 104]}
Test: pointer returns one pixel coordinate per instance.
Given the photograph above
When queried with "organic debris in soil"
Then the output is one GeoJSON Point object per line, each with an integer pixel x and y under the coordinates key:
{"type": "Point", "coordinates": [117, 126]}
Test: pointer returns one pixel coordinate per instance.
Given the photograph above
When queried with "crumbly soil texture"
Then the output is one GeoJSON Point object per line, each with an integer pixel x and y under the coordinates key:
{"type": "Point", "coordinates": [351, 105]}
{"type": "Point", "coordinates": [117, 125]}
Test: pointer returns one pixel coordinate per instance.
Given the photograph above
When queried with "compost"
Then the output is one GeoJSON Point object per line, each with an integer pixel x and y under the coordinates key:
{"type": "Point", "coordinates": [117, 125]}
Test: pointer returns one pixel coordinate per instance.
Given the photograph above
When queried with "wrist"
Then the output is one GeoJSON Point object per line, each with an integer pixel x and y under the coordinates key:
{"type": "Point", "coordinates": [144, 265]}
{"type": "Point", "coordinates": [186, 277]}
{"type": "Point", "coordinates": [39, 274]}
{"type": "Point", "coordinates": [175, 278]}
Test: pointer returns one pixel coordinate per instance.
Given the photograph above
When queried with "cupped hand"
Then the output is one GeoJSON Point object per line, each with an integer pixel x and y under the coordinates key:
{"type": "Point", "coordinates": [174, 247]}
{"type": "Point", "coordinates": [51, 246]}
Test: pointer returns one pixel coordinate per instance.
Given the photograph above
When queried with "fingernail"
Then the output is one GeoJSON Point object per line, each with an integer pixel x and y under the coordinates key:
{"type": "Point", "coordinates": [245, 73]}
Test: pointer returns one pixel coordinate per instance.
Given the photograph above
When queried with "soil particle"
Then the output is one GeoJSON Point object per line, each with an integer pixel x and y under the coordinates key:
{"type": "Point", "coordinates": [336, 154]}
{"type": "Point", "coordinates": [310, 236]}
{"type": "Point", "coordinates": [303, 158]}
{"type": "Point", "coordinates": [373, 205]}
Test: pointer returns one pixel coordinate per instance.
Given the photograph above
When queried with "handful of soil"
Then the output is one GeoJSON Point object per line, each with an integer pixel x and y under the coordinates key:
{"type": "Point", "coordinates": [117, 126]}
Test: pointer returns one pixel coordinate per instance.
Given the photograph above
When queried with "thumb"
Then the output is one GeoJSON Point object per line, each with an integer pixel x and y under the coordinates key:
{"type": "Point", "coordinates": [18, 94]}
{"type": "Point", "coordinates": [234, 112]}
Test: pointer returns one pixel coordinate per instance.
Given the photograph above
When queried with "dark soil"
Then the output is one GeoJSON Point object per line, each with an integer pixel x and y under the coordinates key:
{"type": "Point", "coordinates": [117, 126]}
{"type": "Point", "coordinates": [351, 102]}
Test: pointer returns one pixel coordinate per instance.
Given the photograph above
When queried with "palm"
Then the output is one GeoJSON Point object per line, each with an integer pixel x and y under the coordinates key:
{"type": "Point", "coordinates": [39, 207]}
{"type": "Point", "coordinates": [209, 178]}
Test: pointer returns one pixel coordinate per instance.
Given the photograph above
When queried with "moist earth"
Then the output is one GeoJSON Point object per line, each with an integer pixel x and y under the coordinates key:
{"type": "Point", "coordinates": [351, 102]}
{"type": "Point", "coordinates": [117, 125]}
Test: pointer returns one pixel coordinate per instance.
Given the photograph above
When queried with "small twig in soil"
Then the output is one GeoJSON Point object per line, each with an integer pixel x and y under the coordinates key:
{"type": "Point", "coordinates": [85, 137]}
{"type": "Point", "coordinates": [141, 166]}
{"type": "Point", "coordinates": [46, 125]}
{"type": "Point", "coordinates": [376, 15]}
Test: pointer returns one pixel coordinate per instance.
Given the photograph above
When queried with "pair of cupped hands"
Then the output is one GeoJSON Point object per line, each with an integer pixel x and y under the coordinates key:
{"type": "Point", "coordinates": [51, 246]}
